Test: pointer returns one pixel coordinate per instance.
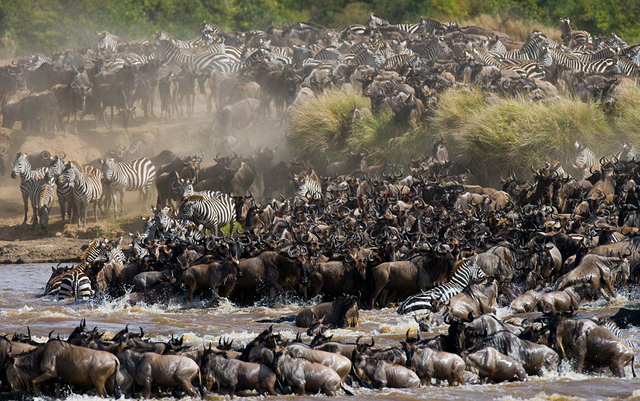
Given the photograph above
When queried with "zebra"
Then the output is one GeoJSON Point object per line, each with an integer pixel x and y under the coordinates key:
{"type": "Point", "coordinates": [309, 187]}
{"type": "Point", "coordinates": [75, 285]}
{"type": "Point", "coordinates": [188, 190]}
{"type": "Point", "coordinates": [553, 58]}
{"type": "Point", "coordinates": [602, 54]}
{"type": "Point", "coordinates": [134, 175]}
{"type": "Point", "coordinates": [86, 186]}
{"type": "Point", "coordinates": [436, 49]}
{"type": "Point", "coordinates": [42, 198]}
{"type": "Point", "coordinates": [181, 44]}
{"type": "Point", "coordinates": [613, 328]}
{"type": "Point", "coordinates": [628, 67]}
{"type": "Point", "coordinates": [467, 273]}
{"type": "Point", "coordinates": [376, 22]}
{"type": "Point", "coordinates": [108, 42]}
{"type": "Point", "coordinates": [211, 213]}
{"type": "Point", "coordinates": [64, 191]}
{"type": "Point", "coordinates": [531, 49]}
{"type": "Point", "coordinates": [29, 179]}
{"type": "Point", "coordinates": [570, 36]}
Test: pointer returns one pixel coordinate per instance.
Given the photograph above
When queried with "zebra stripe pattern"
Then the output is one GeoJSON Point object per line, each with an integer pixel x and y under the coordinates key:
{"type": "Point", "coordinates": [613, 328]}
{"type": "Point", "coordinates": [134, 175]}
{"type": "Point", "coordinates": [29, 179]}
{"type": "Point", "coordinates": [467, 273]}
{"type": "Point", "coordinates": [575, 37]}
{"type": "Point", "coordinates": [310, 189]}
{"type": "Point", "coordinates": [211, 213]}
{"type": "Point", "coordinates": [75, 285]}
{"type": "Point", "coordinates": [108, 42]}
{"type": "Point", "coordinates": [42, 200]}
{"type": "Point", "coordinates": [554, 58]}
{"type": "Point", "coordinates": [64, 191]}
{"type": "Point", "coordinates": [87, 188]}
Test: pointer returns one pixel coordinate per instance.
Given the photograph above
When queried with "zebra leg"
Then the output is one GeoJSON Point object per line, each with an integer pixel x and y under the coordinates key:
{"type": "Point", "coordinates": [114, 199]}
{"type": "Point", "coordinates": [25, 200]}
{"type": "Point", "coordinates": [123, 210]}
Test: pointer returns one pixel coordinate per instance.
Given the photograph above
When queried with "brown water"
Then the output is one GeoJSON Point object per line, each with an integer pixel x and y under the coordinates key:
{"type": "Point", "coordinates": [20, 307]}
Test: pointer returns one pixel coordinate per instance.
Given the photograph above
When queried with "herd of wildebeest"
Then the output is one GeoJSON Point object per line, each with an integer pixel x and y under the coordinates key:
{"type": "Point", "coordinates": [360, 235]}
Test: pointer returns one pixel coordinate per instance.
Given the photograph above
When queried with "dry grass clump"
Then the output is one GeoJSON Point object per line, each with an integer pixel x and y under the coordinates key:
{"type": "Point", "coordinates": [626, 120]}
{"type": "Point", "coordinates": [320, 127]}
{"type": "Point", "coordinates": [516, 28]}
{"type": "Point", "coordinates": [516, 133]}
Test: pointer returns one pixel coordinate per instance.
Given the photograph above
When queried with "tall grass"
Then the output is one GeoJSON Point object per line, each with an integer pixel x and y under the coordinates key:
{"type": "Point", "coordinates": [516, 28]}
{"type": "Point", "coordinates": [490, 137]}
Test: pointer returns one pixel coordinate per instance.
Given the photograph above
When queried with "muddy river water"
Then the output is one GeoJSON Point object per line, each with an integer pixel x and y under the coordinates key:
{"type": "Point", "coordinates": [20, 307]}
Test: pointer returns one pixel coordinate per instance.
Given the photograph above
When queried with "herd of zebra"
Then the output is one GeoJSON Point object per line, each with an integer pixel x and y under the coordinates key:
{"type": "Point", "coordinates": [78, 187]}
{"type": "Point", "coordinates": [246, 74]}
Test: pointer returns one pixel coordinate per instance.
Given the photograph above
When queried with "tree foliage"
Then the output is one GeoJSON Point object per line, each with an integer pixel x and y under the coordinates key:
{"type": "Point", "coordinates": [48, 25]}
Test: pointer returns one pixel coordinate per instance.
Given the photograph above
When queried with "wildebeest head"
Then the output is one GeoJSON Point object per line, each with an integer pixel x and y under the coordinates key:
{"type": "Point", "coordinates": [82, 88]}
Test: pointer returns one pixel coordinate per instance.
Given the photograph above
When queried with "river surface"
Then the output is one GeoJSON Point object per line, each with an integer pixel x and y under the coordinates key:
{"type": "Point", "coordinates": [20, 307]}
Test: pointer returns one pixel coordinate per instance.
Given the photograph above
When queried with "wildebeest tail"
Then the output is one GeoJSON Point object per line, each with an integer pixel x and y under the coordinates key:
{"type": "Point", "coordinates": [116, 387]}
{"type": "Point", "coordinates": [633, 362]}
{"type": "Point", "coordinates": [200, 385]}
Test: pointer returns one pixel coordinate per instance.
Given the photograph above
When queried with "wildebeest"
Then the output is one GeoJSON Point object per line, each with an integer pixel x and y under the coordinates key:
{"type": "Point", "coordinates": [306, 376]}
{"type": "Point", "coordinates": [586, 342]}
{"type": "Point", "coordinates": [340, 364]}
{"type": "Point", "coordinates": [429, 363]}
{"type": "Point", "coordinates": [598, 271]}
{"type": "Point", "coordinates": [232, 374]}
{"type": "Point", "coordinates": [67, 363]}
{"type": "Point", "coordinates": [493, 366]}
{"type": "Point", "coordinates": [220, 277]}
{"type": "Point", "coordinates": [342, 312]}
{"type": "Point", "coordinates": [533, 357]}
{"type": "Point", "coordinates": [381, 373]}
{"type": "Point", "coordinates": [149, 370]}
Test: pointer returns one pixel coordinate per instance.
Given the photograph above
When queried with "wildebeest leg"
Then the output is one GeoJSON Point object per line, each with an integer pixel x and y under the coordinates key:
{"type": "Point", "coordinates": [580, 360]}
{"type": "Point", "coordinates": [111, 120]}
{"type": "Point", "coordinates": [610, 287]}
{"type": "Point", "coordinates": [617, 368]}
{"type": "Point", "coordinates": [604, 293]}
{"type": "Point", "coordinates": [188, 388]}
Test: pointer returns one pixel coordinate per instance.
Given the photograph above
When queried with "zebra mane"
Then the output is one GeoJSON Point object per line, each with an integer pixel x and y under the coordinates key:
{"type": "Point", "coordinates": [193, 197]}
{"type": "Point", "coordinates": [91, 247]}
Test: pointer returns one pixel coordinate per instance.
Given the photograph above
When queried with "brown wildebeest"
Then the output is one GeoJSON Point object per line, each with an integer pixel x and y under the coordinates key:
{"type": "Point", "coordinates": [586, 342]}
{"type": "Point", "coordinates": [150, 369]}
{"type": "Point", "coordinates": [525, 302]}
{"type": "Point", "coordinates": [233, 374]}
{"type": "Point", "coordinates": [304, 375]}
{"type": "Point", "coordinates": [429, 363]}
{"type": "Point", "coordinates": [597, 271]}
{"type": "Point", "coordinates": [491, 365]}
{"type": "Point", "coordinates": [340, 364]}
{"type": "Point", "coordinates": [342, 312]}
{"type": "Point", "coordinates": [533, 357]}
{"type": "Point", "coordinates": [219, 277]}
{"type": "Point", "coordinates": [555, 301]}
{"type": "Point", "coordinates": [68, 363]}
{"type": "Point", "coordinates": [384, 374]}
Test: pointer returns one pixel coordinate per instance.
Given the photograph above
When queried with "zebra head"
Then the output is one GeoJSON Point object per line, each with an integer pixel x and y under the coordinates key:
{"type": "Point", "coordinates": [187, 188]}
{"type": "Point", "coordinates": [68, 176]}
{"type": "Point", "coordinates": [20, 165]}
{"type": "Point", "coordinates": [56, 166]}
{"type": "Point", "coordinates": [187, 209]}
{"type": "Point", "coordinates": [108, 168]}
{"type": "Point", "coordinates": [584, 158]}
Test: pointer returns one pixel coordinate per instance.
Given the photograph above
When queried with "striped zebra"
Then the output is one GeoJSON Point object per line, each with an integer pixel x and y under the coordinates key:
{"type": "Point", "coordinates": [86, 186]}
{"type": "Point", "coordinates": [376, 22]}
{"type": "Point", "coordinates": [75, 285]}
{"type": "Point", "coordinates": [29, 179]}
{"type": "Point", "coordinates": [467, 273]}
{"type": "Point", "coordinates": [309, 187]}
{"type": "Point", "coordinates": [531, 49]}
{"type": "Point", "coordinates": [613, 328]}
{"type": "Point", "coordinates": [628, 67]}
{"type": "Point", "coordinates": [181, 44]}
{"type": "Point", "coordinates": [436, 49]}
{"type": "Point", "coordinates": [134, 175]}
{"type": "Point", "coordinates": [211, 213]}
{"type": "Point", "coordinates": [569, 36]}
{"type": "Point", "coordinates": [552, 58]}
{"type": "Point", "coordinates": [42, 199]}
{"type": "Point", "coordinates": [602, 54]}
{"type": "Point", "coordinates": [188, 190]}
{"type": "Point", "coordinates": [64, 191]}
{"type": "Point", "coordinates": [585, 159]}
{"type": "Point", "coordinates": [108, 42]}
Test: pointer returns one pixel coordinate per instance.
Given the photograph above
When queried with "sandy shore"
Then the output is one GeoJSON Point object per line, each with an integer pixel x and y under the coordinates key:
{"type": "Point", "coordinates": [43, 250]}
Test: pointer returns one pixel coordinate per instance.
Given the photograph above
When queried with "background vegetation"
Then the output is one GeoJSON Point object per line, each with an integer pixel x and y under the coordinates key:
{"type": "Point", "coordinates": [489, 136]}
{"type": "Point", "coordinates": [47, 25]}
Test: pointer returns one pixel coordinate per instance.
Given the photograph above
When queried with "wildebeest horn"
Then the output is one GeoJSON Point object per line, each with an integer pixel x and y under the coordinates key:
{"type": "Point", "coordinates": [373, 342]}
{"type": "Point", "coordinates": [45, 154]}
